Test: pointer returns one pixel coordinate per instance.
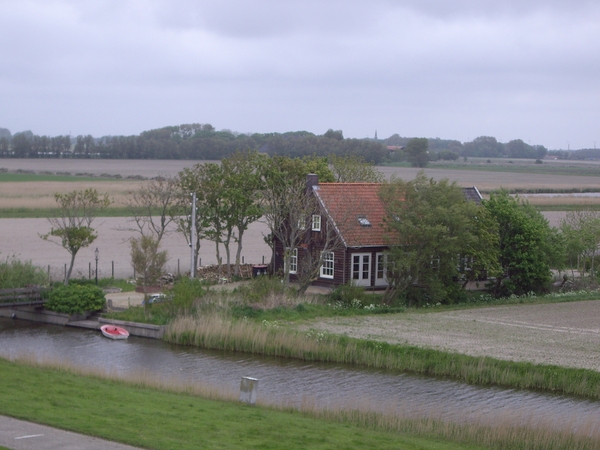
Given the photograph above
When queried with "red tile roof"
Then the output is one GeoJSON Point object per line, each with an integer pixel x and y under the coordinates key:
{"type": "Point", "coordinates": [345, 203]}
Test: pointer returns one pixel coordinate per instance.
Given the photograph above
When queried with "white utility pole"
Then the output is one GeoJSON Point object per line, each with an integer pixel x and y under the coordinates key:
{"type": "Point", "coordinates": [193, 238]}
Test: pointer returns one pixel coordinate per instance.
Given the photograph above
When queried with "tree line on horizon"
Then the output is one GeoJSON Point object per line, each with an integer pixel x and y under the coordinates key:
{"type": "Point", "coordinates": [203, 141]}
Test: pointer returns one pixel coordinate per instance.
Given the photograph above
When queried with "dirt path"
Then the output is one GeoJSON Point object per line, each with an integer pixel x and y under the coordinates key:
{"type": "Point", "coordinates": [564, 334]}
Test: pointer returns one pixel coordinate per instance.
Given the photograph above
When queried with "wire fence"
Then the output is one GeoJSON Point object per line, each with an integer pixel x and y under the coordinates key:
{"type": "Point", "coordinates": [119, 270]}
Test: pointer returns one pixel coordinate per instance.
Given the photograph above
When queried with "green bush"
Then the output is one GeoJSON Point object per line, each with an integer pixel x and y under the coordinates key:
{"type": "Point", "coordinates": [17, 274]}
{"type": "Point", "coordinates": [349, 296]}
{"type": "Point", "coordinates": [75, 299]}
{"type": "Point", "coordinates": [261, 288]}
{"type": "Point", "coordinates": [82, 282]}
{"type": "Point", "coordinates": [124, 285]}
{"type": "Point", "coordinates": [185, 292]}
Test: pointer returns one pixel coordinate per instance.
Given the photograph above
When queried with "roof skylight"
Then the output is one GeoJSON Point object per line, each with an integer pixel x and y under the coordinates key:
{"type": "Point", "coordinates": [363, 221]}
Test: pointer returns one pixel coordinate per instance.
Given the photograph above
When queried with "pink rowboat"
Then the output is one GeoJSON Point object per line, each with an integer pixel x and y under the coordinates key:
{"type": "Point", "coordinates": [114, 332]}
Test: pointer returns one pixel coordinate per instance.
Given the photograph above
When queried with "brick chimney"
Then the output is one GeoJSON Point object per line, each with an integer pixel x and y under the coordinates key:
{"type": "Point", "coordinates": [312, 179]}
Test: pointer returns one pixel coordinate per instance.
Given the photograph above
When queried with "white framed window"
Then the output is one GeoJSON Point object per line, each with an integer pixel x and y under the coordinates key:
{"type": "Point", "coordinates": [465, 263]}
{"type": "Point", "coordinates": [316, 222]}
{"type": "Point", "coordinates": [293, 261]}
{"type": "Point", "coordinates": [381, 270]}
{"type": "Point", "coordinates": [328, 265]}
{"type": "Point", "coordinates": [361, 269]}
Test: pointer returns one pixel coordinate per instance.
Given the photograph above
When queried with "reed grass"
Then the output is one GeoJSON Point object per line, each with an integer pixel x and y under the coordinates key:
{"type": "Point", "coordinates": [167, 400]}
{"type": "Point", "coordinates": [271, 339]}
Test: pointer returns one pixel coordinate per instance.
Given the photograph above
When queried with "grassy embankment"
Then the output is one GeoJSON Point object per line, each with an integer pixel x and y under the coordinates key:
{"type": "Point", "coordinates": [156, 414]}
{"type": "Point", "coordinates": [215, 332]}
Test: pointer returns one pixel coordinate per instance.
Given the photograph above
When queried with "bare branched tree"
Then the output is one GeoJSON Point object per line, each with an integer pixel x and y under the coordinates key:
{"type": "Point", "coordinates": [148, 262]}
{"type": "Point", "coordinates": [311, 255]}
{"type": "Point", "coordinates": [153, 206]}
{"type": "Point", "coordinates": [287, 207]}
{"type": "Point", "coordinates": [354, 169]}
{"type": "Point", "coordinates": [287, 211]}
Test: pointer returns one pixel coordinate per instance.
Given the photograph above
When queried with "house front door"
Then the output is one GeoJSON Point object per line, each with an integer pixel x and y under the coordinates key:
{"type": "Point", "coordinates": [361, 269]}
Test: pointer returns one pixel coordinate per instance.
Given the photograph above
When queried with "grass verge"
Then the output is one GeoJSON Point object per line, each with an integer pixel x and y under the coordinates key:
{"type": "Point", "coordinates": [155, 414]}
{"type": "Point", "coordinates": [139, 413]}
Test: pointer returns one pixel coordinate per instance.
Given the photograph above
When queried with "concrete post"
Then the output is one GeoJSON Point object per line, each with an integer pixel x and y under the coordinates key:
{"type": "Point", "coordinates": [248, 389]}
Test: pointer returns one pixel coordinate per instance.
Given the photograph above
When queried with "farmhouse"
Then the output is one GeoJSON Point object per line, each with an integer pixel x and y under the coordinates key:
{"type": "Point", "coordinates": [345, 236]}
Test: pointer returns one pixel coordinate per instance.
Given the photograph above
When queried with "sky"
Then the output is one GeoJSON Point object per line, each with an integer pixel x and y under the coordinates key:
{"type": "Point", "coordinates": [512, 69]}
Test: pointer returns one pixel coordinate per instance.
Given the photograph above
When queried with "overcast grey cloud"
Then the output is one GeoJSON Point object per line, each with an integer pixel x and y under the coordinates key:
{"type": "Point", "coordinates": [431, 68]}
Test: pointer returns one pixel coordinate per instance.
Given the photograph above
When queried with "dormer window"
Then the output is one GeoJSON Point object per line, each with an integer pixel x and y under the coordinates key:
{"type": "Point", "coordinates": [363, 221]}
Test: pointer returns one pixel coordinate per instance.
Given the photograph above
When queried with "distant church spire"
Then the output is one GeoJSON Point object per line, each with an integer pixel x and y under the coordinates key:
{"type": "Point", "coordinates": [375, 134]}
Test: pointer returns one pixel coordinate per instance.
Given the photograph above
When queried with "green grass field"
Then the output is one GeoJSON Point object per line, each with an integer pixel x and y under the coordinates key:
{"type": "Point", "coordinates": [527, 166]}
{"type": "Point", "coordinates": [6, 177]}
{"type": "Point", "coordinates": [42, 213]}
{"type": "Point", "coordinates": [138, 414]}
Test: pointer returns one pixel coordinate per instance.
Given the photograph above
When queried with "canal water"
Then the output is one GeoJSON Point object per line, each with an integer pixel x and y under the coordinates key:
{"type": "Point", "coordinates": [292, 382]}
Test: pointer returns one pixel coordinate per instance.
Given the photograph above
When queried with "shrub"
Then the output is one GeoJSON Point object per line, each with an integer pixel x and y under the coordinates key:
{"type": "Point", "coordinates": [75, 299]}
{"type": "Point", "coordinates": [82, 282]}
{"type": "Point", "coordinates": [261, 289]}
{"type": "Point", "coordinates": [185, 292]}
{"type": "Point", "coordinates": [16, 274]}
{"type": "Point", "coordinates": [348, 296]}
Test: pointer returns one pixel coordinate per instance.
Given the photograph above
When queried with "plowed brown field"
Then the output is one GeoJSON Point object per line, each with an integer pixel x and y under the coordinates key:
{"type": "Point", "coordinates": [563, 334]}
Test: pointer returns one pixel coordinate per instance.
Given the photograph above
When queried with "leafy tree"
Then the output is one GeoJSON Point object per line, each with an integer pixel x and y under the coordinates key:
{"type": "Point", "coordinates": [432, 229]}
{"type": "Point", "coordinates": [352, 169]}
{"type": "Point", "coordinates": [440, 145]}
{"type": "Point", "coordinates": [526, 245]}
{"type": "Point", "coordinates": [243, 185]}
{"type": "Point", "coordinates": [338, 135]}
{"type": "Point", "coordinates": [227, 201]}
{"type": "Point", "coordinates": [396, 140]}
{"type": "Point", "coordinates": [84, 146]}
{"type": "Point", "coordinates": [21, 144]}
{"type": "Point", "coordinates": [416, 152]}
{"type": "Point", "coordinates": [60, 145]}
{"type": "Point", "coordinates": [148, 262]}
{"type": "Point", "coordinates": [581, 232]}
{"type": "Point", "coordinates": [447, 155]}
{"type": "Point", "coordinates": [4, 147]}
{"type": "Point", "coordinates": [217, 209]}
{"type": "Point", "coordinates": [486, 146]}
{"type": "Point", "coordinates": [73, 219]}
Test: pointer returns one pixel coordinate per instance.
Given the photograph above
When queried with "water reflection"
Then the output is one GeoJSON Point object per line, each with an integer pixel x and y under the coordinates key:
{"type": "Point", "coordinates": [292, 382]}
